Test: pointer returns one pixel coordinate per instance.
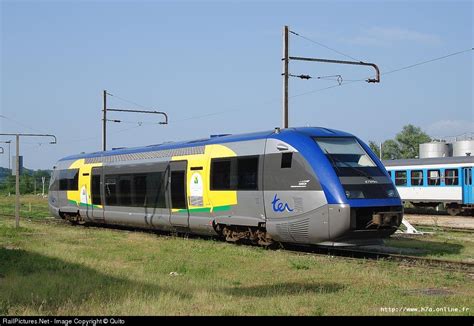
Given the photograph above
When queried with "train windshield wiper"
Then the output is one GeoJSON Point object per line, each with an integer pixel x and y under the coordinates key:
{"type": "Point", "coordinates": [335, 159]}
{"type": "Point", "coordinates": [332, 160]}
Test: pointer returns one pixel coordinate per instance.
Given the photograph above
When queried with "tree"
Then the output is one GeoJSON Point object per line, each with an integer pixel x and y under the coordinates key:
{"type": "Point", "coordinates": [409, 140]}
{"type": "Point", "coordinates": [27, 181]}
{"type": "Point", "coordinates": [374, 147]}
{"type": "Point", "coordinates": [405, 145]}
{"type": "Point", "coordinates": [391, 150]}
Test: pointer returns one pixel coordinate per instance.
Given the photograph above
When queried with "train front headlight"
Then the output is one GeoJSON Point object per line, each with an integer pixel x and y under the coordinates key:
{"type": "Point", "coordinates": [350, 194]}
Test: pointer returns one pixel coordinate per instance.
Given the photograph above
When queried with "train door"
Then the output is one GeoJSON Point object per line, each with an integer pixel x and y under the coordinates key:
{"type": "Point", "coordinates": [176, 194]}
{"type": "Point", "coordinates": [97, 194]}
{"type": "Point", "coordinates": [467, 186]}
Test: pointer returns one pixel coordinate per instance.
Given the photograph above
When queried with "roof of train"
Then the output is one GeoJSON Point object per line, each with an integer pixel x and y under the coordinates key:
{"type": "Point", "coordinates": [217, 139]}
{"type": "Point", "coordinates": [430, 161]}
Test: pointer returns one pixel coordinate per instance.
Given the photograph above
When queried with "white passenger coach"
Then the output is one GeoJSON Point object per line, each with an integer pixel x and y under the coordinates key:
{"type": "Point", "coordinates": [429, 182]}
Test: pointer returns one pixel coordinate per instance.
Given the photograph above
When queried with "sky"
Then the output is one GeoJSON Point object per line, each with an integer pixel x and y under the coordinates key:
{"type": "Point", "coordinates": [215, 67]}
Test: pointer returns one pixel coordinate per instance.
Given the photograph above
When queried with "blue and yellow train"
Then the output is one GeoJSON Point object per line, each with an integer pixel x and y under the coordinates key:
{"type": "Point", "coordinates": [297, 185]}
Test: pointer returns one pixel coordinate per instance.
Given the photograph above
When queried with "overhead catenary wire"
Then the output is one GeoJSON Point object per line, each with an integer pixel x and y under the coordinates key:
{"type": "Point", "coordinates": [127, 101]}
{"type": "Point", "coordinates": [384, 73]}
{"type": "Point", "coordinates": [343, 83]}
{"type": "Point", "coordinates": [239, 109]}
{"type": "Point", "coordinates": [422, 63]}
{"type": "Point", "coordinates": [322, 89]}
{"type": "Point", "coordinates": [78, 140]}
{"type": "Point", "coordinates": [19, 123]}
{"type": "Point", "coordinates": [133, 122]}
{"type": "Point", "coordinates": [208, 115]}
{"type": "Point", "coordinates": [38, 144]}
{"type": "Point", "coordinates": [138, 123]}
{"type": "Point", "coordinates": [33, 129]}
{"type": "Point", "coordinates": [324, 46]}
{"type": "Point", "coordinates": [427, 61]}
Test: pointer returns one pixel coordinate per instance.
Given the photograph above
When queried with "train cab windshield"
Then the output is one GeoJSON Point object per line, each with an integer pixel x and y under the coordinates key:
{"type": "Point", "coordinates": [348, 157]}
{"type": "Point", "coordinates": [357, 172]}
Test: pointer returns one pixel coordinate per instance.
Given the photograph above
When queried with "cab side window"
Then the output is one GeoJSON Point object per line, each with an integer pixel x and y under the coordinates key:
{"type": "Point", "coordinates": [69, 179]}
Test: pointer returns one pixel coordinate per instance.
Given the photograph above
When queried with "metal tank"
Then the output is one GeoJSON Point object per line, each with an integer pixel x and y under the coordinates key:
{"type": "Point", "coordinates": [463, 148]}
{"type": "Point", "coordinates": [435, 149]}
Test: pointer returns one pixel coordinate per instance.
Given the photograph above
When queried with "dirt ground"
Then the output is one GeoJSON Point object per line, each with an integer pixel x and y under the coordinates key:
{"type": "Point", "coordinates": [463, 222]}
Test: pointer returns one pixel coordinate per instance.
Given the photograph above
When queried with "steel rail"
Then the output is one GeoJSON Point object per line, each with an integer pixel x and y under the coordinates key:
{"type": "Point", "coordinates": [451, 265]}
{"type": "Point", "coordinates": [356, 254]}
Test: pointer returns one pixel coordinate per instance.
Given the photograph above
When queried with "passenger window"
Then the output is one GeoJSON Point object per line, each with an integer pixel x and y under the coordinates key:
{"type": "Point", "coordinates": [451, 177]}
{"type": "Point", "coordinates": [139, 190]}
{"type": "Point", "coordinates": [417, 178]}
{"type": "Point", "coordinates": [220, 174]}
{"type": "Point", "coordinates": [110, 191]}
{"type": "Point", "coordinates": [434, 177]}
{"type": "Point", "coordinates": [124, 192]}
{"type": "Point", "coordinates": [142, 189]}
{"type": "Point", "coordinates": [286, 159]}
{"type": "Point", "coordinates": [247, 172]}
{"type": "Point", "coordinates": [401, 178]}
{"type": "Point", "coordinates": [235, 173]}
{"type": "Point", "coordinates": [155, 193]}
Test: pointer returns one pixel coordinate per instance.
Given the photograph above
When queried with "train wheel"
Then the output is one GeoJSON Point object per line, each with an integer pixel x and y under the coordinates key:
{"type": "Point", "coordinates": [243, 234]}
{"type": "Point", "coordinates": [74, 219]}
{"type": "Point", "coordinates": [453, 211]}
{"type": "Point", "coordinates": [264, 239]}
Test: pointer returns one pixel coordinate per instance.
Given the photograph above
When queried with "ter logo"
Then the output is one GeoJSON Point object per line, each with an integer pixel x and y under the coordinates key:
{"type": "Point", "coordinates": [279, 206]}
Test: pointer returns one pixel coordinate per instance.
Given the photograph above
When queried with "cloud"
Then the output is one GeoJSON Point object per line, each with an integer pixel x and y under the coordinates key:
{"type": "Point", "coordinates": [450, 128]}
{"type": "Point", "coordinates": [383, 36]}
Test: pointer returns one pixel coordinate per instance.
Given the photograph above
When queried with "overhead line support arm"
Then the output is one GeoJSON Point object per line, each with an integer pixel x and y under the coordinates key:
{"type": "Point", "coordinates": [358, 63]}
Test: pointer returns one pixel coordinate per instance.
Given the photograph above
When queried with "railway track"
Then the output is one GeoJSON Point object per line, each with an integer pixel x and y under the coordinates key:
{"type": "Point", "coordinates": [440, 222]}
{"type": "Point", "coordinates": [450, 265]}
{"type": "Point", "coordinates": [348, 253]}
{"type": "Point", "coordinates": [435, 228]}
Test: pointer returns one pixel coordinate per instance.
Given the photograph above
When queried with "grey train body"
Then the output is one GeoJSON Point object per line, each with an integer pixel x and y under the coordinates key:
{"type": "Point", "coordinates": [282, 200]}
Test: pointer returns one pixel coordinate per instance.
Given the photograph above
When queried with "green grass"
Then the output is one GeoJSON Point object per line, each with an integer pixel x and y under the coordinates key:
{"type": "Point", "coordinates": [31, 206]}
{"type": "Point", "coordinates": [53, 268]}
{"type": "Point", "coordinates": [436, 243]}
